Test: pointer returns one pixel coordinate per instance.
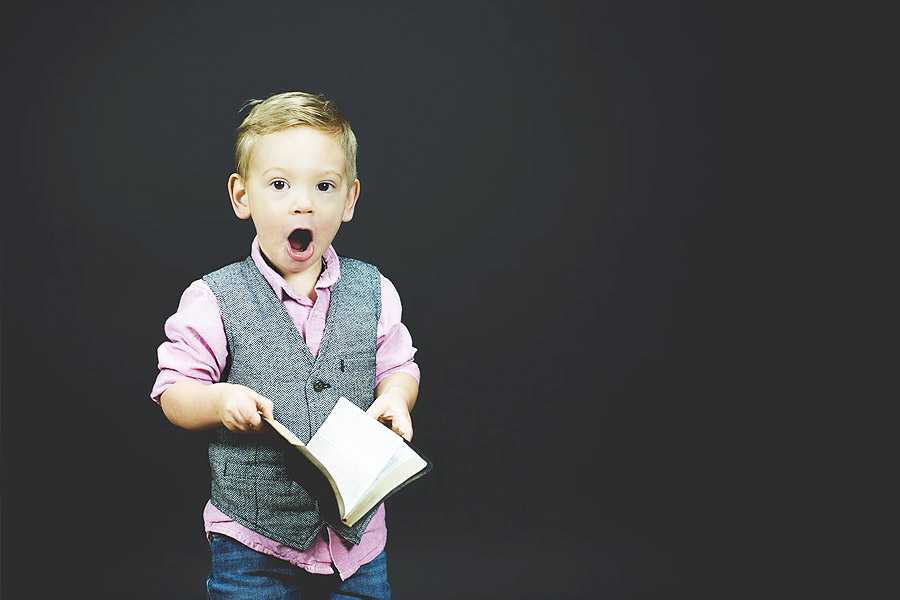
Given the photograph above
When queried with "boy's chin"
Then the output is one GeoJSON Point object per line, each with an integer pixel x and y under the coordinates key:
{"type": "Point", "coordinates": [286, 265]}
{"type": "Point", "coordinates": [301, 266]}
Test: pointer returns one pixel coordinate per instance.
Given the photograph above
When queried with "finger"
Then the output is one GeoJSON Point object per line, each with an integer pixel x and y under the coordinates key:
{"type": "Point", "coordinates": [250, 418]}
{"type": "Point", "coordinates": [264, 426]}
{"type": "Point", "coordinates": [403, 428]}
{"type": "Point", "coordinates": [237, 425]}
{"type": "Point", "coordinates": [265, 406]}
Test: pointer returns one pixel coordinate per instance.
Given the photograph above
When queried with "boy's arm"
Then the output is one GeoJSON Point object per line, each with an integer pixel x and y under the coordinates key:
{"type": "Point", "coordinates": [395, 397]}
{"type": "Point", "coordinates": [191, 362]}
{"type": "Point", "coordinates": [397, 374]}
{"type": "Point", "coordinates": [198, 406]}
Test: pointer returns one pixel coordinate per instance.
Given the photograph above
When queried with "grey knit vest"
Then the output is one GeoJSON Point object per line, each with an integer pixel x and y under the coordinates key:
{"type": "Point", "coordinates": [250, 480]}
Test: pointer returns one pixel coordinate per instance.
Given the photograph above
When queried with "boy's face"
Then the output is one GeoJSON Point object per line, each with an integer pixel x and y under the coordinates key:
{"type": "Point", "coordinates": [297, 196]}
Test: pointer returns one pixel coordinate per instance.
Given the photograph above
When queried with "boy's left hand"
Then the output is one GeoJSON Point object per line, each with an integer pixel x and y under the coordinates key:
{"type": "Point", "coordinates": [392, 409]}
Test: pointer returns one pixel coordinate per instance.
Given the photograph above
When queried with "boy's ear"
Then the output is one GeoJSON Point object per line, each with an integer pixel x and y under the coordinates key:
{"type": "Point", "coordinates": [350, 206]}
{"type": "Point", "coordinates": [238, 196]}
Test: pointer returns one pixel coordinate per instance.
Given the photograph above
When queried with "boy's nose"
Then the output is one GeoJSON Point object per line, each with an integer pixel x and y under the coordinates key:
{"type": "Point", "coordinates": [301, 203]}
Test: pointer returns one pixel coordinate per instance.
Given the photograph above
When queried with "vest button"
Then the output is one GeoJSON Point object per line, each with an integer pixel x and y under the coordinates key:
{"type": "Point", "coordinates": [320, 385]}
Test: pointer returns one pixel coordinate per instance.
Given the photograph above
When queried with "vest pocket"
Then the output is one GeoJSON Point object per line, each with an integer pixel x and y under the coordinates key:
{"type": "Point", "coordinates": [283, 496]}
{"type": "Point", "coordinates": [267, 498]}
{"type": "Point", "coordinates": [272, 490]}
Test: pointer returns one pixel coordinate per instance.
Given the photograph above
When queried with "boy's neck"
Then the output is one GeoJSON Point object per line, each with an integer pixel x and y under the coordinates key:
{"type": "Point", "coordinates": [304, 282]}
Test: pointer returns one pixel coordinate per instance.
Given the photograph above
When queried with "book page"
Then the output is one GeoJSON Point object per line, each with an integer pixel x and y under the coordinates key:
{"type": "Point", "coordinates": [403, 464]}
{"type": "Point", "coordinates": [401, 455]}
{"type": "Point", "coordinates": [354, 448]}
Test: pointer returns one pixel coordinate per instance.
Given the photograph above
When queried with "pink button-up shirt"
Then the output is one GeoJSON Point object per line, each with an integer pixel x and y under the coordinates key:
{"type": "Point", "coordinates": [197, 349]}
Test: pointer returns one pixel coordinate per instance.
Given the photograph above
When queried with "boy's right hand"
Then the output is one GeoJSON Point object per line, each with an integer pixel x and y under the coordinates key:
{"type": "Point", "coordinates": [239, 409]}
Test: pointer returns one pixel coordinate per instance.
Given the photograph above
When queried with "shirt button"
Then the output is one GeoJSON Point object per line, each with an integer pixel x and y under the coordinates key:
{"type": "Point", "coordinates": [315, 313]}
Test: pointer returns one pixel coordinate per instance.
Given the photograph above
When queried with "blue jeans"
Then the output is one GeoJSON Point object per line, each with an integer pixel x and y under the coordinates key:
{"type": "Point", "coordinates": [241, 573]}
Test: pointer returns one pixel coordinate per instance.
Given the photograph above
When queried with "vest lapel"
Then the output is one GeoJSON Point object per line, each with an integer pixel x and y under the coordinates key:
{"type": "Point", "coordinates": [264, 293]}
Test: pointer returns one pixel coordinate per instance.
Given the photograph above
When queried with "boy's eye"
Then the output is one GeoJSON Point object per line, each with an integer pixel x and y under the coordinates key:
{"type": "Point", "coordinates": [324, 186]}
{"type": "Point", "coordinates": [279, 184]}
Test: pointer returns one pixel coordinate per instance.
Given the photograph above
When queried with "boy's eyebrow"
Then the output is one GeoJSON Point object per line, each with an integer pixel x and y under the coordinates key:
{"type": "Point", "coordinates": [332, 172]}
{"type": "Point", "coordinates": [323, 172]}
{"type": "Point", "coordinates": [270, 169]}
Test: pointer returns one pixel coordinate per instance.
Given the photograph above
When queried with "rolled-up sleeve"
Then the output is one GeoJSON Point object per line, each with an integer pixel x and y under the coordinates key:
{"type": "Point", "coordinates": [196, 347]}
{"type": "Point", "coordinates": [394, 351]}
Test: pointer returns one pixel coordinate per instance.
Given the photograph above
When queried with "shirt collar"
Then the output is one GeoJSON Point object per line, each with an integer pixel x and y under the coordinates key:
{"type": "Point", "coordinates": [329, 276]}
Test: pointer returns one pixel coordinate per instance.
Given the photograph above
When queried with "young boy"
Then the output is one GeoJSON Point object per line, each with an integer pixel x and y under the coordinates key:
{"type": "Point", "coordinates": [284, 334]}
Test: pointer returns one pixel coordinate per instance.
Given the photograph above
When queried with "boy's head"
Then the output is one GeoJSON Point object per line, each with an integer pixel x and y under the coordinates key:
{"type": "Point", "coordinates": [292, 109]}
{"type": "Point", "coordinates": [296, 163]}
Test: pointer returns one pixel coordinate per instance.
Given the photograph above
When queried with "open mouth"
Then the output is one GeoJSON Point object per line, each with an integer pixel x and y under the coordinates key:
{"type": "Point", "coordinates": [300, 245]}
{"type": "Point", "coordinates": [300, 239]}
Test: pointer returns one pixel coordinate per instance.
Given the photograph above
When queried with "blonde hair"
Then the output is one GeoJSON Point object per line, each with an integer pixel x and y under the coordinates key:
{"type": "Point", "coordinates": [291, 109]}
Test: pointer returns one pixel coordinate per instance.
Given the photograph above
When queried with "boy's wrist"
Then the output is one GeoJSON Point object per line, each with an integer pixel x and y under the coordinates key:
{"type": "Point", "coordinates": [401, 392]}
{"type": "Point", "coordinates": [400, 385]}
{"type": "Point", "coordinates": [217, 399]}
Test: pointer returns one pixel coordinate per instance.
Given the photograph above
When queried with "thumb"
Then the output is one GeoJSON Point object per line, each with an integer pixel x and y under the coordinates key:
{"type": "Point", "coordinates": [264, 406]}
{"type": "Point", "coordinates": [402, 426]}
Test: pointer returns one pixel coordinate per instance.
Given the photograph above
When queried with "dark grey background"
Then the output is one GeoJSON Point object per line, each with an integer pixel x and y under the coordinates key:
{"type": "Point", "coordinates": [558, 192]}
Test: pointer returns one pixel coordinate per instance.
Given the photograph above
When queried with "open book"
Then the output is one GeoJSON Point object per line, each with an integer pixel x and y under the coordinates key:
{"type": "Point", "coordinates": [363, 461]}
